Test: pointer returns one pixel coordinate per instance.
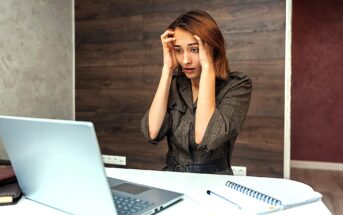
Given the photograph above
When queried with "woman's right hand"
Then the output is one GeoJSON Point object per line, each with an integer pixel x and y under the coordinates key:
{"type": "Point", "coordinates": [169, 57]}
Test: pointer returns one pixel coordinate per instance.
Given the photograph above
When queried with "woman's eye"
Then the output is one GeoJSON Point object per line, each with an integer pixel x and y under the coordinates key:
{"type": "Point", "coordinates": [178, 51]}
{"type": "Point", "coordinates": [195, 50]}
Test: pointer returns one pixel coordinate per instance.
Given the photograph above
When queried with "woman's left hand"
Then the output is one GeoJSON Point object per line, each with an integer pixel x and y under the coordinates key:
{"type": "Point", "coordinates": [205, 54]}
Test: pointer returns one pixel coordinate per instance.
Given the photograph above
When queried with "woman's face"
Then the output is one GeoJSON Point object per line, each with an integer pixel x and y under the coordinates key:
{"type": "Point", "coordinates": [186, 49]}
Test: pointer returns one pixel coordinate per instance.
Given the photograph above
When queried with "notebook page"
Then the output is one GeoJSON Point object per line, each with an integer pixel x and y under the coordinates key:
{"type": "Point", "coordinates": [290, 193]}
{"type": "Point", "coordinates": [247, 204]}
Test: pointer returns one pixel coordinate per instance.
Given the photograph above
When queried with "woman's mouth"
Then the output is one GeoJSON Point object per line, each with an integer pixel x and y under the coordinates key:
{"type": "Point", "coordinates": [188, 70]}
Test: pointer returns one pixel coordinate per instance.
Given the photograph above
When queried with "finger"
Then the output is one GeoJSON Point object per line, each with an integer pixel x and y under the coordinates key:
{"type": "Point", "coordinates": [167, 33]}
{"type": "Point", "coordinates": [199, 40]}
{"type": "Point", "coordinates": [169, 39]}
{"type": "Point", "coordinates": [168, 42]}
{"type": "Point", "coordinates": [203, 45]}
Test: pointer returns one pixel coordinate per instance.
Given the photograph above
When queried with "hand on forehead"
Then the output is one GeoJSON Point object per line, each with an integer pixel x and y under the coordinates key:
{"type": "Point", "coordinates": [184, 38]}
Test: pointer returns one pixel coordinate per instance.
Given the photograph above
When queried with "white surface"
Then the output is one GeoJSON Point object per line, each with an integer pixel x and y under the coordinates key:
{"type": "Point", "coordinates": [317, 165]}
{"type": "Point", "coordinates": [288, 83]}
{"type": "Point", "coordinates": [194, 186]}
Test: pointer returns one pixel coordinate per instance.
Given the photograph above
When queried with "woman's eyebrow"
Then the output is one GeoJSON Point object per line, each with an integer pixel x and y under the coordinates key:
{"type": "Point", "coordinates": [191, 44]}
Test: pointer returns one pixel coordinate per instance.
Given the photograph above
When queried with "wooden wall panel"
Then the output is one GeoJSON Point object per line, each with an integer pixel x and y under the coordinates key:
{"type": "Point", "coordinates": [118, 66]}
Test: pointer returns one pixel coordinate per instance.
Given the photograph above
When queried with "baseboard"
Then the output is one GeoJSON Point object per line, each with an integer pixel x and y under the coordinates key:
{"type": "Point", "coordinates": [316, 165]}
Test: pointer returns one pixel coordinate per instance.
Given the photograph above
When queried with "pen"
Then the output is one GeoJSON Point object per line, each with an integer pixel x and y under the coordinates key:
{"type": "Point", "coordinates": [209, 192]}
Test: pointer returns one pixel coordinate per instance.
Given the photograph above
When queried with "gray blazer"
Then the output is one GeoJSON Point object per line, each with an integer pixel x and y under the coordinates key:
{"type": "Point", "coordinates": [232, 104]}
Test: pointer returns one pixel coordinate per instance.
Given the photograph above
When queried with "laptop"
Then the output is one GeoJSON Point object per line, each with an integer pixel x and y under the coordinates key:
{"type": "Point", "coordinates": [58, 163]}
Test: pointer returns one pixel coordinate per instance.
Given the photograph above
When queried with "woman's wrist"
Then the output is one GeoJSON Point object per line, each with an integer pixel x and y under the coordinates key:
{"type": "Point", "coordinates": [208, 68]}
{"type": "Point", "coordinates": [166, 75]}
{"type": "Point", "coordinates": [167, 70]}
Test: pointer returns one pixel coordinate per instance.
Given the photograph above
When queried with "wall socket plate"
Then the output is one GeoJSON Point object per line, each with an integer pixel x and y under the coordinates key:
{"type": "Point", "coordinates": [114, 159]}
{"type": "Point", "coordinates": [239, 170]}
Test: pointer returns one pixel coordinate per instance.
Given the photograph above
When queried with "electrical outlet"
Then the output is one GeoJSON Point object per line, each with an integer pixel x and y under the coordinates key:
{"type": "Point", "coordinates": [112, 159]}
{"type": "Point", "coordinates": [239, 170]}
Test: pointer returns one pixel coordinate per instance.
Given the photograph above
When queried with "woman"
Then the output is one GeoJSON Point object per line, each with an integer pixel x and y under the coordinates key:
{"type": "Point", "coordinates": [199, 105]}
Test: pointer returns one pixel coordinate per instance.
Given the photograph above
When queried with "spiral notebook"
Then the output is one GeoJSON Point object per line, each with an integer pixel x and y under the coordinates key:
{"type": "Point", "coordinates": [258, 195]}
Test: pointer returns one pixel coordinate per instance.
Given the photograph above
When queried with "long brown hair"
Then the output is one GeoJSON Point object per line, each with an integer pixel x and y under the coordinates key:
{"type": "Point", "coordinates": [202, 24]}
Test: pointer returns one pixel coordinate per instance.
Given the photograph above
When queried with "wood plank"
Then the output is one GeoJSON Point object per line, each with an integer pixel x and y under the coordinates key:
{"type": "Point", "coordinates": [123, 53]}
{"type": "Point", "coordinates": [128, 28]}
{"type": "Point", "coordinates": [231, 18]}
{"type": "Point", "coordinates": [104, 9]}
{"type": "Point", "coordinates": [259, 146]}
{"type": "Point", "coordinates": [179, 7]}
{"type": "Point", "coordinates": [117, 101]}
{"type": "Point", "coordinates": [265, 74]}
{"type": "Point", "coordinates": [250, 18]}
{"type": "Point", "coordinates": [266, 103]}
{"type": "Point", "coordinates": [266, 132]}
{"type": "Point", "coordinates": [256, 46]}
{"type": "Point", "coordinates": [109, 77]}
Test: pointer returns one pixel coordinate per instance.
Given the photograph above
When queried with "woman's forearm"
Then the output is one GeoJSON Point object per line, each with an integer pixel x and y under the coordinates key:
{"type": "Point", "coordinates": [158, 107]}
{"type": "Point", "coordinates": [206, 104]}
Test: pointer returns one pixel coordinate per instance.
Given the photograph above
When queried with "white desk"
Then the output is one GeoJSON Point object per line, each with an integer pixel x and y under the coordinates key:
{"type": "Point", "coordinates": [194, 186]}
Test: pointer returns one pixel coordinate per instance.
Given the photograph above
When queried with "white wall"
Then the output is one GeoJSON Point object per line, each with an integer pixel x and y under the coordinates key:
{"type": "Point", "coordinates": [36, 59]}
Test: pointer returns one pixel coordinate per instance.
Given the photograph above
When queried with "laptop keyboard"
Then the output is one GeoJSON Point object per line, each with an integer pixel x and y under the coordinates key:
{"type": "Point", "coordinates": [129, 205]}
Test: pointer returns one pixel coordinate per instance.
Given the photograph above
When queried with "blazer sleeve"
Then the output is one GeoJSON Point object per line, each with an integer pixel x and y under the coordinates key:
{"type": "Point", "coordinates": [229, 115]}
{"type": "Point", "coordinates": [163, 130]}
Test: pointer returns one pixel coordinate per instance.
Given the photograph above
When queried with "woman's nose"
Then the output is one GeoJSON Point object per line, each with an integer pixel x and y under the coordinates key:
{"type": "Point", "coordinates": [186, 58]}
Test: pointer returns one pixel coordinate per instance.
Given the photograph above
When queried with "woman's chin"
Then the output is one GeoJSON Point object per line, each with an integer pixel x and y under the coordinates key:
{"type": "Point", "coordinates": [188, 74]}
{"type": "Point", "coordinates": [191, 75]}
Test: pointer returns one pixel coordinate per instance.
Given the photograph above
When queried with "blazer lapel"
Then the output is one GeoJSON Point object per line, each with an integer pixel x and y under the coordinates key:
{"type": "Point", "coordinates": [186, 92]}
